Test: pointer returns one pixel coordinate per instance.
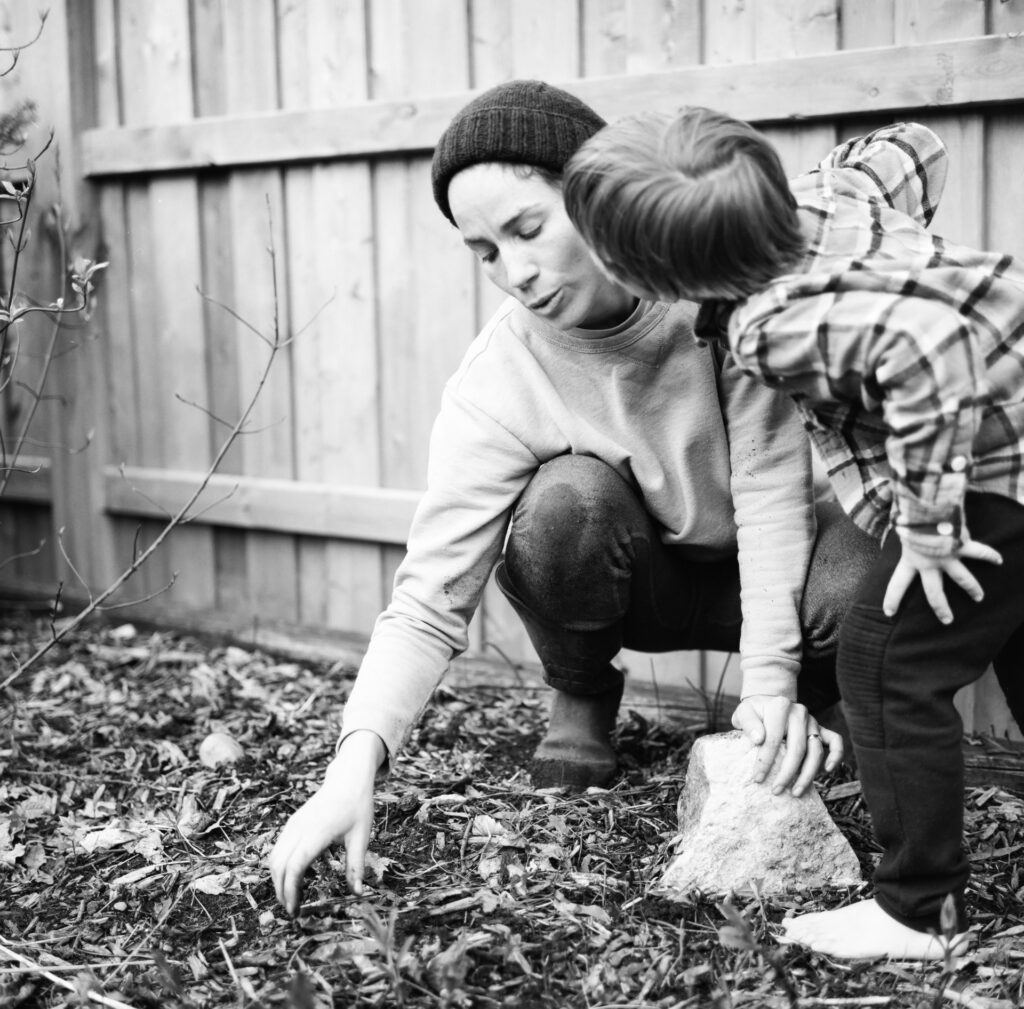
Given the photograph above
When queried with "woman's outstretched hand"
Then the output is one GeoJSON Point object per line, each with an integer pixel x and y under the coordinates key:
{"type": "Point", "coordinates": [769, 721]}
{"type": "Point", "coordinates": [340, 810]}
{"type": "Point", "coordinates": [933, 571]}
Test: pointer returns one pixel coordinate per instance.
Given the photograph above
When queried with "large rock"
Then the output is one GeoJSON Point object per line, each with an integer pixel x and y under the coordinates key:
{"type": "Point", "coordinates": [735, 832]}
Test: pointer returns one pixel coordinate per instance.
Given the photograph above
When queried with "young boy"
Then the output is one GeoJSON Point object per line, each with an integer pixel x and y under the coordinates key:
{"type": "Point", "coordinates": [905, 356]}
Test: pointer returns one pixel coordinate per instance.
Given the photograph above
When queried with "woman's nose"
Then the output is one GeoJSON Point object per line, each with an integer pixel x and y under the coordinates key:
{"type": "Point", "coordinates": [520, 270]}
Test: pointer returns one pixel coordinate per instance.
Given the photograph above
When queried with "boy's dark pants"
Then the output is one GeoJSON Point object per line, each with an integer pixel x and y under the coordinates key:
{"type": "Point", "coordinates": [898, 677]}
{"type": "Point", "coordinates": [588, 574]}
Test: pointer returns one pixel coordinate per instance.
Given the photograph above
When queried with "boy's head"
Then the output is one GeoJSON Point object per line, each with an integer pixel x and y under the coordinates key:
{"type": "Point", "coordinates": [693, 206]}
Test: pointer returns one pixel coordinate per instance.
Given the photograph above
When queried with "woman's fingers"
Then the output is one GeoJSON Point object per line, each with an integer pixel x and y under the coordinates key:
{"type": "Point", "coordinates": [835, 747]}
{"type": "Point", "coordinates": [813, 754]}
{"type": "Point", "coordinates": [356, 843]}
{"type": "Point", "coordinates": [749, 721]}
{"type": "Point", "coordinates": [798, 750]}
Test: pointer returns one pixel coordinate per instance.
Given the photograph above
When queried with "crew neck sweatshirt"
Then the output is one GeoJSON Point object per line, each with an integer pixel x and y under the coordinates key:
{"type": "Point", "coordinates": [720, 461]}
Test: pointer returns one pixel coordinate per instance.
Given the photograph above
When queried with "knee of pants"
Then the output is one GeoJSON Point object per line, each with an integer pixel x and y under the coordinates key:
{"type": "Point", "coordinates": [572, 539]}
{"type": "Point", "coordinates": [842, 557]}
{"type": "Point", "coordinates": [859, 671]}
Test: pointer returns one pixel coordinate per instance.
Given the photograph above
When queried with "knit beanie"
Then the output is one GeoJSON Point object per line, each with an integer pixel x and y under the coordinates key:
{"type": "Point", "coordinates": [522, 122]}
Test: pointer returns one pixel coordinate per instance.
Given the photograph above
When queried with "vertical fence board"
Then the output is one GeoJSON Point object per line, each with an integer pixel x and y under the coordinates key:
{"type": "Point", "coordinates": [1005, 16]}
{"type": "Point", "coordinates": [935, 20]}
{"type": "Point", "coordinates": [255, 199]}
{"type": "Point", "coordinates": [332, 289]}
{"type": "Point", "coordinates": [729, 29]}
{"type": "Point", "coordinates": [638, 36]}
{"type": "Point", "coordinates": [424, 274]}
{"type": "Point", "coordinates": [795, 27]}
{"type": "Point", "coordinates": [80, 382]}
{"type": "Point", "coordinates": [37, 423]}
{"type": "Point", "coordinates": [605, 37]}
{"type": "Point", "coordinates": [864, 24]}
{"type": "Point", "coordinates": [117, 302]}
{"type": "Point", "coordinates": [31, 79]}
{"type": "Point", "coordinates": [156, 76]}
{"type": "Point", "coordinates": [663, 36]}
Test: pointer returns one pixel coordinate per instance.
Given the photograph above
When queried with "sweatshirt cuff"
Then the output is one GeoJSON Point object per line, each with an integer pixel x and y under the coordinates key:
{"type": "Point", "coordinates": [392, 734]}
{"type": "Point", "coordinates": [775, 679]}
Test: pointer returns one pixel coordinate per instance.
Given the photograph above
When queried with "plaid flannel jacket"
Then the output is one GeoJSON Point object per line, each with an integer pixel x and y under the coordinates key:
{"type": "Point", "coordinates": [903, 352]}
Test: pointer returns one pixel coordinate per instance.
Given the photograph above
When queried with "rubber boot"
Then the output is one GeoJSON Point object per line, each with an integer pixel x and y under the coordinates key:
{"type": "Point", "coordinates": [576, 751]}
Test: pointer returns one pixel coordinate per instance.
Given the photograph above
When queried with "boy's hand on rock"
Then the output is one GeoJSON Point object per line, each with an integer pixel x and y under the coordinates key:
{"type": "Point", "coordinates": [768, 721]}
{"type": "Point", "coordinates": [933, 570]}
{"type": "Point", "coordinates": [341, 810]}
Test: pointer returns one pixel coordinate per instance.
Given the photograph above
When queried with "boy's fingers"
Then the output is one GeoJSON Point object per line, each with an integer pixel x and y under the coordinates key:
{"type": "Point", "coordinates": [901, 580]}
{"type": "Point", "coordinates": [966, 581]}
{"type": "Point", "coordinates": [981, 552]}
{"type": "Point", "coordinates": [936, 595]}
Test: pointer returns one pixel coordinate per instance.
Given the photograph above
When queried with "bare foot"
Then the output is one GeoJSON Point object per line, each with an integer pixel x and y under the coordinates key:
{"type": "Point", "coordinates": [864, 931]}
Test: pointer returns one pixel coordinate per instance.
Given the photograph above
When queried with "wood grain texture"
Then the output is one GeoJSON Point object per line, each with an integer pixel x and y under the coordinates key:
{"type": "Point", "coordinates": [982, 71]}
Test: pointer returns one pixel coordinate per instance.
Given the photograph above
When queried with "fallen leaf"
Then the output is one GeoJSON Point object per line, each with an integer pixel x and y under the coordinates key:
{"type": "Point", "coordinates": [103, 839]}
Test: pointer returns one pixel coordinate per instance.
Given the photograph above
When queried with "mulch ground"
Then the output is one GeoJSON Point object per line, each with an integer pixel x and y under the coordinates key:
{"type": "Point", "coordinates": [132, 874]}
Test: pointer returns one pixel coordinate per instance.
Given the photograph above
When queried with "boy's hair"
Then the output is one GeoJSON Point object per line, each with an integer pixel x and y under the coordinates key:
{"type": "Point", "coordinates": [684, 205]}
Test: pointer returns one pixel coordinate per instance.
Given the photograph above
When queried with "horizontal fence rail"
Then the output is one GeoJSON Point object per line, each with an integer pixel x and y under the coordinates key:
{"type": "Point", "coordinates": [942, 75]}
{"type": "Point", "coordinates": [31, 481]}
{"type": "Point", "coordinates": [376, 514]}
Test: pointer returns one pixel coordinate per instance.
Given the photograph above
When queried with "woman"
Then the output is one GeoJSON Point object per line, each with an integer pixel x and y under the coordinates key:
{"type": "Point", "coordinates": [658, 500]}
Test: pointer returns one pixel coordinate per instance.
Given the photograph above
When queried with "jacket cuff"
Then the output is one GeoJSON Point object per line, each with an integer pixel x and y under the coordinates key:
{"type": "Point", "coordinates": [929, 529]}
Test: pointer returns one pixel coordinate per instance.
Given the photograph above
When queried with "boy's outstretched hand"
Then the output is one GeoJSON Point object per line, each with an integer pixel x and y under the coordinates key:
{"type": "Point", "coordinates": [341, 810]}
{"type": "Point", "coordinates": [932, 570]}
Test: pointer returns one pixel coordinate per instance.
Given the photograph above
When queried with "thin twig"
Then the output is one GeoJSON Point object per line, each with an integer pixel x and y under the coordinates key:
{"type": "Point", "coordinates": [50, 976]}
{"type": "Point", "coordinates": [96, 603]}
{"type": "Point", "coordinates": [21, 556]}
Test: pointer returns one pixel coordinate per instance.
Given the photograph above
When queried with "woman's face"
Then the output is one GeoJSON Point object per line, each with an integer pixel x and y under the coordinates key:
{"type": "Point", "coordinates": [517, 226]}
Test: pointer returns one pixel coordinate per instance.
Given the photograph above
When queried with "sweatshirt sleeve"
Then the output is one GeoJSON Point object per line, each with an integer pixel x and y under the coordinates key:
{"type": "Point", "coordinates": [773, 497]}
{"type": "Point", "coordinates": [476, 471]}
{"type": "Point", "coordinates": [904, 164]}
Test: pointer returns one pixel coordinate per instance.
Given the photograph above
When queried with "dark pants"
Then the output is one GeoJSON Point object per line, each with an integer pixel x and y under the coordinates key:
{"type": "Point", "coordinates": [588, 574]}
{"type": "Point", "coordinates": [898, 677]}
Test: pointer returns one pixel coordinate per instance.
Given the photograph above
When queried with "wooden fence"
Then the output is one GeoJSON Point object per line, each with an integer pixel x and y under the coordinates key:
{"type": "Point", "coordinates": [195, 133]}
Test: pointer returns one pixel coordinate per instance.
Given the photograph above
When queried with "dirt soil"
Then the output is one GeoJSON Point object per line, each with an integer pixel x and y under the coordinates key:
{"type": "Point", "coordinates": [132, 874]}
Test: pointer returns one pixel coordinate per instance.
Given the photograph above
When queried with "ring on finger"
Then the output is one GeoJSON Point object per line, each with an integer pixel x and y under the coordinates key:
{"type": "Point", "coordinates": [814, 735]}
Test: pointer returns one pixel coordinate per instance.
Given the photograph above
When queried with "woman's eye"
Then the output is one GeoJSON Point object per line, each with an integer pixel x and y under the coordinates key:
{"type": "Point", "coordinates": [532, 233]}
{"type": "Point", "coordinates": [488, 257]}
